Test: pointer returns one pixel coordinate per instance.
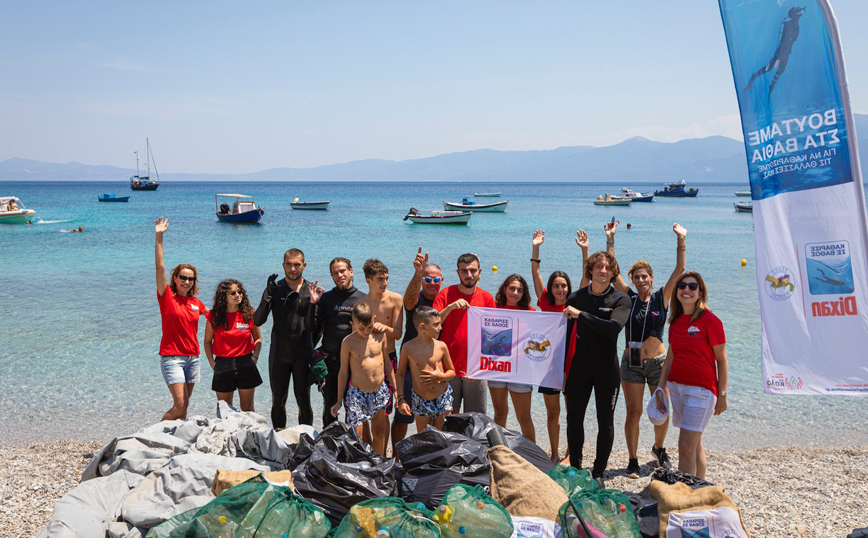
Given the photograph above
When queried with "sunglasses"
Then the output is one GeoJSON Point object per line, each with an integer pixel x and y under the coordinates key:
{"type": "Point", "coordinates": [693, 286]}
{"type": "Point", "coordinates": [235, 292]}
{"type": "Point", "coordinates": [183, 278]}
{"type": "Point", "coordinates": [435, 280]}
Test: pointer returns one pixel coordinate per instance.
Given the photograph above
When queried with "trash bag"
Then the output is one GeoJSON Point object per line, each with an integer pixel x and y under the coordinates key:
{"type": "Point", "coordinates": [671, 476]}
{"type": "Point", "coordinates": [433, 461]}
{"type": "Point", "coordinates": [340, 471]}
{"type": "Point", "coordinates": [469, 511]}
{"type": "Point", "coordinates": [598, 514]}
{"type": "Point", "coordinates": [388, 516]}
{"type": "Point", "coordinates": [645, 510]}
{"type": "Point", "coordinates": [476, 426]}
{"type": "Point", "coordinates": [573, 480]}
{"type": "Point", "coordinates": [255, 507]}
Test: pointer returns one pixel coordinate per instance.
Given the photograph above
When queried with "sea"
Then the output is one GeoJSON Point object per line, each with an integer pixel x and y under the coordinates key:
{"type": "Point", "coordinates": [78, 351]}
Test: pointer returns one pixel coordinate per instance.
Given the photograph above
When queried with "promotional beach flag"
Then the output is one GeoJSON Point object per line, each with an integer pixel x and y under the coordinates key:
{"type": "Point", "coordinates": [808, 200]}
{"type": "Point", "coordinates": [516, 346]}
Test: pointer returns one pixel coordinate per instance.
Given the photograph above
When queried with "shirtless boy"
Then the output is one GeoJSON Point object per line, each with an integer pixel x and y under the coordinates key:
{"type": "Point", "coordinates": [427, 360]}
{"type": "Point", "coordinates": [363, 356]}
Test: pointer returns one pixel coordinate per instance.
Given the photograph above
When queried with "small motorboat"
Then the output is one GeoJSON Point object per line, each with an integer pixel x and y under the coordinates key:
{"type": "Point", "coordinates": [743, 207]}
{"type": "Point", "coordinates": [613, 200]}
{"type": "Point", "coordinates": [243, 209]}
{"type": "Point", "coordinates": [677, 190]}
{"type": "Point", "coordinates": [742, 193]}
{"type": "Point", "coordinates": [12, 211]}
{"type": "Point", "coordinates": [112, 198]}
{"type": "Point", "coordinates": [438, 217]}
{"type": "Point", "coordinates": [469, 205]}
{"type": "Point", "coordinates": [295, 204]}
{"type": "Point", "coordinates": [637, 196]}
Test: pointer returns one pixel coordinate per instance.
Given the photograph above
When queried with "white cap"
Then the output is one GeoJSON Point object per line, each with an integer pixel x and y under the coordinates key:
{"type": "Point", "coordinates": [654, 415]}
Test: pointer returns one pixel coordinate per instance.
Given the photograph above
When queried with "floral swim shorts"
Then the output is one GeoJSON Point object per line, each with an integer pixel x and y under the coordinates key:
{"type": "Point", "coordinates": [362, 406]}
{"type": "Point", "coordinates": [432, 408]}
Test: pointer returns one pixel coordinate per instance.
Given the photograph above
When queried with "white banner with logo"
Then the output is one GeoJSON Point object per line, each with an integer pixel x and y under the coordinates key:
{"type": "Point", "coordinates": [808, 200]}
{"type": "Point", "coordinates": [516, 346]}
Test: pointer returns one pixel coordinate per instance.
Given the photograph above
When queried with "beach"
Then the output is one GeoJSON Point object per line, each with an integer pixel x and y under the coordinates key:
{"type": "Point", "coordinates": [781, 492]}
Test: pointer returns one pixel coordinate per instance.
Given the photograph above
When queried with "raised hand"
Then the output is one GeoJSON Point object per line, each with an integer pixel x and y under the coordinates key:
{"type": "Point", "coordinates": [161, 226]}
{"type": "Point", "coordinates": [420, 262]}
{"type": "Point", "coordinates": [271, 285]}
{"type": "Point", "coordinates": [679, 230]}
{"type": "Point", "coordinates": [582, 239]}
{"type": "Point", "coordinates": [539, 238]}
{"type": "Point", "coordinates": [316, 291]}
{"type": "Point", "coordinates": [610, 229]}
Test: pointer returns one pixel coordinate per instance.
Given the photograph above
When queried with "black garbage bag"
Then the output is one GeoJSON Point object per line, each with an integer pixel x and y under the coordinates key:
{"type": "Point", "coordinates": [476, 426]}
{"type": "Point", "coordinates": [645, 509]}
{"type": "Point", "coordinates": [337, 470]}
{"type": "Point", "coordinates": [859, 533]}
{"type": "Point", "coordinates": [671, 476]}
{"type": "Point", "coordinates": [433, 461]}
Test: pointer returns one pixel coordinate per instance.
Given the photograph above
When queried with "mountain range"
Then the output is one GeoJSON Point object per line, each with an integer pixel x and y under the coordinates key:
{"type": "Point", "coordinates": [711, 159]}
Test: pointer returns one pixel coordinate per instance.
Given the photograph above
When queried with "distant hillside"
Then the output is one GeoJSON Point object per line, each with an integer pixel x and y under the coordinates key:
{"type": "Point", "coordinates": [715, 158]}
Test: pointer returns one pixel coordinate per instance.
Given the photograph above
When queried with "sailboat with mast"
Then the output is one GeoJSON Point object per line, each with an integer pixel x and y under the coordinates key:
{"type": "Point", "coordinates": [488, 194]}
{"type": "Point", "coordinates": [139, 182]}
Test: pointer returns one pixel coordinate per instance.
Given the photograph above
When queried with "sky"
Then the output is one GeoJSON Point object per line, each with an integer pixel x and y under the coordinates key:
{"type": "Point", "coordinates": [234, 87]}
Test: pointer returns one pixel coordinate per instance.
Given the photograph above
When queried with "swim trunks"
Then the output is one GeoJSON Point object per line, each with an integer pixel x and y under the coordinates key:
{"type": "Point", "coordinates": [362, 406]}
{"type": "Point", "coordinates": [431, 408]}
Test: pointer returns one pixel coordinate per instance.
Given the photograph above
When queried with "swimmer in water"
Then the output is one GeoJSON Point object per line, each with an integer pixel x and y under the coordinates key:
{"type": "Point", "coordinates": [830, 281]}
{"type": "Point", "coordinates": [79, 229]}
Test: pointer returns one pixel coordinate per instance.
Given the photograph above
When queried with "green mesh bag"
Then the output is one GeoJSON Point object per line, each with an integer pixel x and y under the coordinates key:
{"type": "Point", "coordinates": [598, 514]}
{"type": "Point", "coordinates": [573, 480]}
{"type": "Point", "coordinates": [469, 511]}
{"type": "Point", "coordinates": [252, 508]}
{"type": "Point", "coordinates": [388, 517]}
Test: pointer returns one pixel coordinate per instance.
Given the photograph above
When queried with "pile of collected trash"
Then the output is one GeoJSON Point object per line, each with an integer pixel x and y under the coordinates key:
{"type": "Point", "coordinates": [234, 476]}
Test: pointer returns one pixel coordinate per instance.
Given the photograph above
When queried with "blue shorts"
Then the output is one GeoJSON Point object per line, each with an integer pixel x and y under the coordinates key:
{"type": "Point", "coordinates": [177, 369]}
{"type": "Point", "coordinates": [431, 408]}
{"type": "Point", "coordinates": [362, 406]}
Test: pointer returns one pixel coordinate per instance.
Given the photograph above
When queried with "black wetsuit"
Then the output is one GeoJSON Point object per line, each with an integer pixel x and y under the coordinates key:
{"type": "Point", "coordinates": [595, 367]}
{"type": "Point", "coordinates": [334, 312]}
{"type": "Point", "coordinates": [291, 348]}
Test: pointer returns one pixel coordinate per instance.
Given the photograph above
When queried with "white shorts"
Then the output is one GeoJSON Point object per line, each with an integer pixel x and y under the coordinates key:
{"type": "Point", "coordinates": [692, 407]}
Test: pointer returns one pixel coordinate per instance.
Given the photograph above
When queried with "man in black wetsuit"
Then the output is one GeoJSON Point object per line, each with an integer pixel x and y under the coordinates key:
{"type": "Point", "coordinates": [597, 313]}
{"type": "Point", "coordinates": [293, 301]}
{"type": "Point", "coordinates": [332, 324]}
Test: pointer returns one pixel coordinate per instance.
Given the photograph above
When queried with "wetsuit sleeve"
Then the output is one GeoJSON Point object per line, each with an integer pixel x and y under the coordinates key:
{"type": "Point", "coordinates": [318, 321]}
{"type": "Point", "coordinates": [609, 327]}
{"type": "Point", "coordinates": [260, 316]}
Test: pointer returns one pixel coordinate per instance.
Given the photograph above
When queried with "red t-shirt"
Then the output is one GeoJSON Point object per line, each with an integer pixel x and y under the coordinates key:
{"type": "Point", "coordinates": [179, 315]}
{"type": "Point", "coordinates": [454, 330]}
{"type": "Point", "coordinates": [516, 307]}
{"type": "Point", "coordinates": [691, 342]}
{"type": "Point", "coordinates": [545, 306]}
{"type": "Point", "coordinates": [236, 341]}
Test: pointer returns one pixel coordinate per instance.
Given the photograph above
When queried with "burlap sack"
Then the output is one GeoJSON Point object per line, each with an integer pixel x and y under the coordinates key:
{"type": "Point", "coordinates": [521, 488]}
{"type": "Point", "coordinates": [224, 479]}
{"type": "Point", "coordinates": [679, 497]}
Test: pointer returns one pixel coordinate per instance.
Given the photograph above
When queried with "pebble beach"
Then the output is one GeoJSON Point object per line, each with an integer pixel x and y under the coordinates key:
{"type": "Point", "coordinates": [781, 492]}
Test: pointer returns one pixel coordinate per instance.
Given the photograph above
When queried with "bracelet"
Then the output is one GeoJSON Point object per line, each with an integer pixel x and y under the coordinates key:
{"type": "Point", "coordinates": [610, 242]}
{"type": "Point", "coordinates": [535, 260]}
{"type": "Point", "coordinates": [679, 249]}
{"type": "Point", "coordinates": [402, 399]}
{"type": "Point", "coordinates": [722, 393]}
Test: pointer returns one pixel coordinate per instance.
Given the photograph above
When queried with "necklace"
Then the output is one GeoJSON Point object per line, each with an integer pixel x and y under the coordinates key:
{"type": "Point", "coordinates": [599, 294]}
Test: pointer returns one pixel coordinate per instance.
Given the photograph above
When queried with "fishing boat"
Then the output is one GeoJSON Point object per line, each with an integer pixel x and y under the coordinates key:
{"type": "Point", "coordinates": [743, 207]}
{"type": "Point", "coordinates": [637, 196]}
{"type": "Point", "coordinates": [469, 205]}
{"type": "Point", "coordinates": [12, 211]}
{"type": "Point", "coordinates": [677, 190]}
{"type": "Point", "coordinates": [243, 208]}
{"type": "Point", "coordinates": [488, 194]}
{"type": "Point", "coordinates": [438, 217]}
{"type": "Point", "coordinates": [613, 200]}
{"type": "Point", "coordinates": [139, 182]}
{"type": "Point", "coordinates": [742, 193]}
{"type": "Point", "coordinates": [112, 198]}
{"type": "Point", "coordinates": [295, 204]}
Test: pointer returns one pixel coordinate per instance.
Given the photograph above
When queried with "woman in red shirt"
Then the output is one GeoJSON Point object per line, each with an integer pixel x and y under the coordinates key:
{"type": "Point", "coordinates": [179, 316]}
{"type": "Point", "coordinates": [232, 344]}
{"type": "Point", "coordinates": [695, 370]}
{"type": "Point", "coordinates": [513, 295]}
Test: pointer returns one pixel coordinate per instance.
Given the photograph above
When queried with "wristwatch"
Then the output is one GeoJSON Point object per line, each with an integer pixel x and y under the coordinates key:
{"type": "Point", "coordinates": [722, 393]}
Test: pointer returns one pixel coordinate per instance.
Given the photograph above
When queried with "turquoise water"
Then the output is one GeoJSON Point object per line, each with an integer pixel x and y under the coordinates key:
{"type": "Point", "coordinates": [79, 348]}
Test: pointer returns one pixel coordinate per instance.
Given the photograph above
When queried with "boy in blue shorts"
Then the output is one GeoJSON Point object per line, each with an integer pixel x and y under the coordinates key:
{"type": "Point", "coordinates": [363, 356]}
{"type": "Point", "coordinates": [428, 361]}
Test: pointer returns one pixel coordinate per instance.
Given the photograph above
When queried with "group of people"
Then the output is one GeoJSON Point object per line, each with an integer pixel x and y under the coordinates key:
{"type": "Point", "coordinates": [365, 373]}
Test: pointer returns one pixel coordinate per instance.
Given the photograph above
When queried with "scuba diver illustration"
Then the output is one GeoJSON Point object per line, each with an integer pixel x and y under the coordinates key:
{"type": "Point", "coordinates": [830, 281]}
{"type": "Point", "coordinates": [788, 35]}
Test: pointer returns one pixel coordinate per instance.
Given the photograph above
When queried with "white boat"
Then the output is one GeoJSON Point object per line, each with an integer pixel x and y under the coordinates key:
{"type": "Point", "coordinates": [742, 193]}
{"type": "Point", "coordinates": [12, 211]}
{"type": "Point", "coordinates": [613, 200]}
{"type": "Point", "coordinates": [469, 205]}
{"type": "Point", "coordinates": [438, 217]}
{"type": "Point", "coordinates": [488, 194]}
{"type": "Point", "coordinates": [295, 204]}
{"type": "Point", "coordinates": [244, 209]}
{"type": "Point", "coordinates": [637, 196]}
{"type": "Point", "coordinates": [743, 207]}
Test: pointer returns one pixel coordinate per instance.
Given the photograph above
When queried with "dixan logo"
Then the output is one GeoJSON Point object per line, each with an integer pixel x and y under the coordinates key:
{"type": "Point", "coordinates": [844, 306]}
{"type": "Point", "coordinates": [781, 382]}
{"type": "Point", "coordinates": [494, 365]}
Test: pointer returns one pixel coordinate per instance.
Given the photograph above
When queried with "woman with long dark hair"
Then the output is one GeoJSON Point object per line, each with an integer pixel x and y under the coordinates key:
{"type": "Point", "coordinates": [513, 294]}
{"type": "Point", "coordinates": [232, 344]}
{"type": "Point", "coordinates": [695, 370]}
{"type": "Point", "coordinates": [179, 317]}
